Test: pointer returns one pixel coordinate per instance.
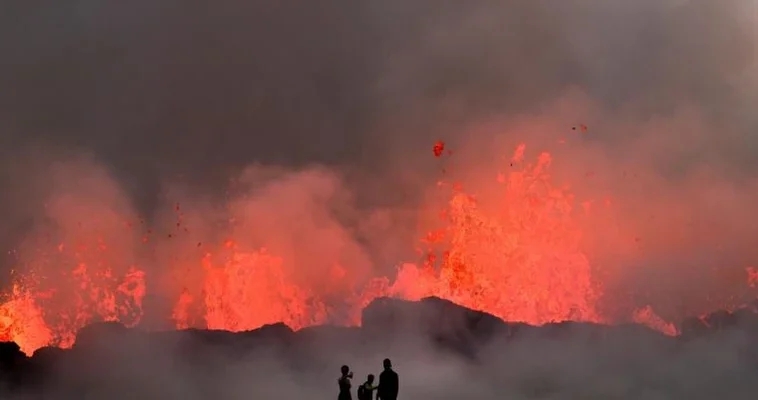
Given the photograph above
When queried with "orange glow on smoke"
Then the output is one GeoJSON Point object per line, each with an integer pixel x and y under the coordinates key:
{"type": "Point", "coordinates": [516, 255]}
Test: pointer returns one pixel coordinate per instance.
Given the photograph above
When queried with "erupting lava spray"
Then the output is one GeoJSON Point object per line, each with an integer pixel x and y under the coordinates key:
{"type": "Point", "coordinates": [518, 256]}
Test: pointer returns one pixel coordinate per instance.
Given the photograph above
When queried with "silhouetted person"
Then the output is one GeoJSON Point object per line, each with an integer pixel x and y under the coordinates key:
{"type": "Point", "coordinates": [344, 383]}
{"type": "Point", "coordinates": [366, 390]}
{"type": "Point", "coordinates": [389, 383]}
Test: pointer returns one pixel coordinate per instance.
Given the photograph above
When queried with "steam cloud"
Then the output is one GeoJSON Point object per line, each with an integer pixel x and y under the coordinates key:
{"type": "Point", "coordinates": [311, 123]}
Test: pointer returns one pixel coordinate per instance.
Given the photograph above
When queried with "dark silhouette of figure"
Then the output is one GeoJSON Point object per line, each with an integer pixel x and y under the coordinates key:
{"type": "Point", "coordinates": [366, 390]}
{"type": "Point", "coordinates": [344, 384]}
{"type": "Point", "coordinates": [389, 383]}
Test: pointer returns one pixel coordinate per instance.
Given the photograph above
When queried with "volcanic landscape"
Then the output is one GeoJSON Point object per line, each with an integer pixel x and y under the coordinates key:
{"type": "Point", "coordinates": [509, 201]}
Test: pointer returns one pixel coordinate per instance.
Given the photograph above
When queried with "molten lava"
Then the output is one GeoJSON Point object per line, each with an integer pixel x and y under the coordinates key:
{"type": "Point", "coordinates": [518, 257]}
{"type": "Point", "coordinates": [520, 261]}
{"type": "Point", "coordinates": [42, 311]}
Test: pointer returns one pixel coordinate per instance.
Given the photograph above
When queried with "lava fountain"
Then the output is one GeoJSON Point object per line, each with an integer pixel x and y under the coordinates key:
{"type": "Point", "coordinates": [518, 256]}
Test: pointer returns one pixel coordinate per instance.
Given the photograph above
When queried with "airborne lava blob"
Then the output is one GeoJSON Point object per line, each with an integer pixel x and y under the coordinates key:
{"type": "Point", "coordinates": [516, 255]}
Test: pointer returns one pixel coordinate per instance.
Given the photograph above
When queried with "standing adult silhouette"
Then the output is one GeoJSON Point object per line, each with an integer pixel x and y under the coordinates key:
{"type": "Point", "coordinates": [389, 383]}
{"type": "Point", "coordinates": [345, 384]}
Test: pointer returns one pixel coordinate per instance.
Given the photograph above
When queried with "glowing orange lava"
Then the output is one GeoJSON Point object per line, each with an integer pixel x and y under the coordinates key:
{"type": "Point", "coordinates": [646, 316]}
{"type": "Point", "coordinates": [520, 260]}
{"type": "Point", "coordinates": [518, 257]}
{"type": "Point", "coordinates": [43, 311]}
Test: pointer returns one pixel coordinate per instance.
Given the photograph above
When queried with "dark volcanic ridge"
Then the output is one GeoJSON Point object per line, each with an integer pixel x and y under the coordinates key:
{"type": "Point", "coordinates": [389, 326]}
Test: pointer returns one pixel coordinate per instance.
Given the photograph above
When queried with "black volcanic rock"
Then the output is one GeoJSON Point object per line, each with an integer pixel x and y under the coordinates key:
{"type": "Point", "coordinates": [575, 330]}
{"type": "Point", "coordinates": [45, 362]}
{"type": "Point", "coordinates": [14, 366]}
{"type": "Point", "coordinates": [744, 318]}
{"type": "Point", "coordinates": [445, 323]}
{"type": "Point", "coordinates": [48, 354]}
{"type": "Point", "coordinates": [270, 335]}
{"type": "Point", "coordinates": [203, 347]}
{"type": "Point", "coordinates": [747, 318]}
{"type": "Point", "coordinates": [273, 334]}
{"type": "Point", "coordinates": [10, 355]}
{"type": "Point", "coordinates": [592, 332]}
{"type": "Point", "coordinates": [327, 335]}
{"type": "Point", "coordinates": [430, 314]}
{"type": "Point", "coordinates": [388, 325]}
{"type": "Point", "coordinates": [693, 327]}
{"type": "Point", "coordinates": [46, 358]}
{"type": "Point", "coordinates": [101, 334]}
{"type": "Point", "coordinates": [721, 320]}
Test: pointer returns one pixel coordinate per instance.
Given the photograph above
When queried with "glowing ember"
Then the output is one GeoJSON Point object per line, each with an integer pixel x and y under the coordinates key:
{"type": "Point", "coordinates": [438, 148]}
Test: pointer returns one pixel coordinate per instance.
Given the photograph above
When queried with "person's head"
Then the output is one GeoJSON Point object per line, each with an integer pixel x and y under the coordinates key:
{"type": "Point", "coordinates": [370, 378]}
{"type": "Point", "coordinates": [345, 370]}
{"type": "Point", "coordinates": [387, 363]}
